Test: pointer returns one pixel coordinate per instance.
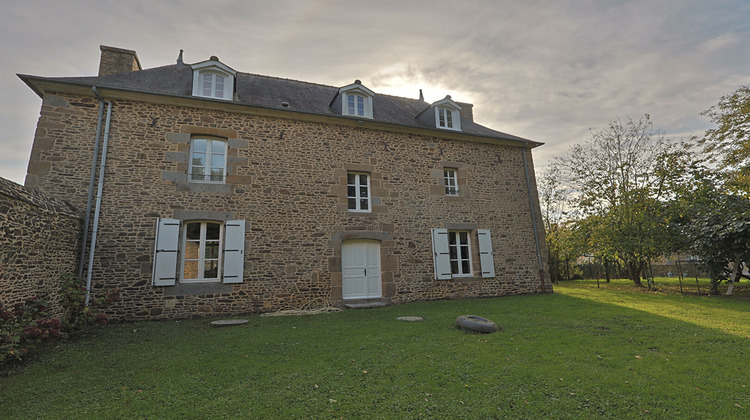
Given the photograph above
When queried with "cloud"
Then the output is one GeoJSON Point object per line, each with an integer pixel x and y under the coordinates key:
{"type": "Point", "coordinates": [548, 71]}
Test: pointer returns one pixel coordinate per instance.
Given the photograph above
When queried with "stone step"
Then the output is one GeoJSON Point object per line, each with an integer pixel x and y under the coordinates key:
{"type": "Point", "coordinates": [365, 303]}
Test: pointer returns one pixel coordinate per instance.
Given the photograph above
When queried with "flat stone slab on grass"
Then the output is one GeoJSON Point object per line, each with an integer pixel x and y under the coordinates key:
{"type": "Point", "coordinates": [410, 318]}
{"type": "Point", "coordinates": [228, 322]}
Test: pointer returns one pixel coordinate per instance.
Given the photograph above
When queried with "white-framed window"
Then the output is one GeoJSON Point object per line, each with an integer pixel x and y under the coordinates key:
{"type": "Point", "coordinates": [198, 251]}
{"type": "Point", "coordinates": [355, 104]}
{"type": "Point", "coordinates": [208, 160]}
{"type": "Point", "coordinates": [358, 191]}
{"type": "Point", "coordinates": [452, 255]}
{"type": "Point", "coordinates": [356, 100]}
{"type": "Point", "coordinates": [451, 181]}
{"type": "Point", "coordinates": [213, 79]}
{"type": "Point", "coordinates": [447, 118]}
{"type": "Point", "coordinates": [459, 247]}
{"type": "Point", "coordinates": [212, 85]}
{"type": "Point", "coordinates": [202, 245]}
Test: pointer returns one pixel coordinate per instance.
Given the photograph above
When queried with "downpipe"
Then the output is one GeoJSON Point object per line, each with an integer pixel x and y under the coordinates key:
{"type": "Point", "coordinates": [92, 180]}
{"type": "Point", "coordinates": [97, 209]}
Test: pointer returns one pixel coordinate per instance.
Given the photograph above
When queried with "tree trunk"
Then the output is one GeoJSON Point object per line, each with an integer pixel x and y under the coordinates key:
{"type": "Point", "coordinates": [735, 271]}
{"type": "Point", "coordinates": [634, 271]}
{"type": "Point", "coordinates": [606, 270]}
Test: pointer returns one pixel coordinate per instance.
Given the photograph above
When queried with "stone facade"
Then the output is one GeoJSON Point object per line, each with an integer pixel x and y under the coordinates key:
{"type": "Point", "coordinates": [39, 239]}
{"type": "Point", "coordinates": [286, 178]}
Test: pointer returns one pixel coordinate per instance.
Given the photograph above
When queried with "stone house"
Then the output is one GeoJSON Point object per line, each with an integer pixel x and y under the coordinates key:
{"type": "Point", "coordinates": [207, 191]}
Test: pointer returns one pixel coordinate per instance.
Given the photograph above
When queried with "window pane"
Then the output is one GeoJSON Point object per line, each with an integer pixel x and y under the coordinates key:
{"type": "Point", "coordinates": [464, 237]}
{"type": "Point", "coordinates": [219, 91]}
{"type": "Point", "coordinates": [212, 231]}
{"type": "Point", "coordinates": [363, 204]}
{"type": "Point", "coordinates": [218, 146]}
{"type": "Point", "coordinates": [351, 191]}
{"type": "Point", "coordinates": [350, 178]}
{"type": "Point", "coordinates": [217, 161]}
{"type": "Point", "coordinates": [363, 192]}
{"type": "Point", "coordinates": [441, 114]}
{"type": "Point", "coordinates": [452, 238]}
{"type": "Point", "coordinates": [208, 80]}
{"type": "Point", "coordinates": [360, 106]}
{"type": "Point", "coordinates": [454, 267]}
{"type": "Point", "coordinates": [190, 270]}
{"type": "Point", "coordinates": [198, 174]}
{"type": "Point", "coordinates": [465, 267]}
{"type": "Point", "coordinates": [199, 159]}
{"type": "Point", "coordinates": [363, 179]}
{"type": "Point", "coordinates": [211, 270]}
{"type": "Point", "coordinates": [212, 250]}
{"type": "Point", "coordinates": [352, 204]}
{"type": "Point", "coordinates": [193, 231]}
{"type": "Point", "coordinates": [350, 104]}
{"type": "Point", "coordinates": [449, 117]}
{"type": "Point", "coordinates": [217, 175]}
{"type": "Point", "coordinates": [199, 145]}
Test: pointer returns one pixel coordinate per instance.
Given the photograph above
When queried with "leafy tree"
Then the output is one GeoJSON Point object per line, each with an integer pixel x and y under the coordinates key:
{"type": "Point", "coordinates": [622, 182]}
{"type": "Point", "coordinates": [716, 228]}
{"type": "Point", "coordinates": [729, 142]}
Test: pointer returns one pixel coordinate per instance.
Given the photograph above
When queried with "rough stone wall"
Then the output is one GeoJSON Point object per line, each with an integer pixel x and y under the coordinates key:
{"type": "Point", "coordinates": [287, 180]}
{"type": "Point", "coordinates": [117, 60]}
{"type": "Point", "coordinates": [38, 243]}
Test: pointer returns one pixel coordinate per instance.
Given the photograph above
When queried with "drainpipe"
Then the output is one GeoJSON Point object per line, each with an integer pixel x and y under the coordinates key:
{"type": "Point", "coordinates": [91, 183]}
{"type": "Point", "coordinates": [97, 209]}
{"type": "Point", "coordinates": [533, 216]}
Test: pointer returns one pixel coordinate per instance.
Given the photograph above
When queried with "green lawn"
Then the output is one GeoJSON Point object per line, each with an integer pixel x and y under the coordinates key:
{"type": "Point", "coordinates": [583, 352]}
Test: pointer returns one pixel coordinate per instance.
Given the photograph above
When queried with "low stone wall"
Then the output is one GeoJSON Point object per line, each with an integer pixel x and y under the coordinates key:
{"type": "Point", "coordinates": [39, 241]}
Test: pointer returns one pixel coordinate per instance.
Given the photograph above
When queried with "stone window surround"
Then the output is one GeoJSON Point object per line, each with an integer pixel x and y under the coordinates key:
{"type": "Point", "coordinates": [388, 260]}
{"type": "Point", "coordinates": [192, 289]}
{"type": "Point", "coordinates": [462, 173]}
{"type": "Point", "coordinates": [377, 191]}
{"type": "Point", "coordinates": [177, 172]}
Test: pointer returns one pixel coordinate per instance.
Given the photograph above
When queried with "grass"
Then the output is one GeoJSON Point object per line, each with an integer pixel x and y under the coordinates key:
{"type": "Point", "coordinates": [583, 352]}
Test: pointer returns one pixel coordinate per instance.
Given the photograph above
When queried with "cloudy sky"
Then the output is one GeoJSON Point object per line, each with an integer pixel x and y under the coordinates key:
{"type": "Point", "coordinates": [546, 70]}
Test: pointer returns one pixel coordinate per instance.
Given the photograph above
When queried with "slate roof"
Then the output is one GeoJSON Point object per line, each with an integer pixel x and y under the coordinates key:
{"type": "Point", "coordinates": [271, 92]}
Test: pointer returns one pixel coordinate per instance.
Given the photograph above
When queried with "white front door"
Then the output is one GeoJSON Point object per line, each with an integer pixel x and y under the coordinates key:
{"type": "Point", "coordinates": [360, 267]}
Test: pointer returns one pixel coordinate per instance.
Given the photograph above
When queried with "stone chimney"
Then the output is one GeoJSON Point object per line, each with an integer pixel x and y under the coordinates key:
{"type": "Point", "coordinates": [467, 111]}
{"type": "Point", "coordinates": [117, 60]}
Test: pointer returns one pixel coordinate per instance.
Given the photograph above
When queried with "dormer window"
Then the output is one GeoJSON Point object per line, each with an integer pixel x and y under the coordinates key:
{"type": "Point", "coordinates": [447, 114]}
{"type": "Point", "coordinates": [212, 85]}
{"type": "Point", "coordinates": [356, 100]}
{"type": "Point", "coordinates": [212, 79]}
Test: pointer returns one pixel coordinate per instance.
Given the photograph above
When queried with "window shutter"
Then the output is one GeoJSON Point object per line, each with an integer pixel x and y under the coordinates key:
{"type": "Point", "coordinates": [234, 251]}
{"type": "Point", "coordinates": [441, 254]}
{"type": "Point", "coordinates": [486, 259]}
{"type": "Point", "coordinates": [165, 252]}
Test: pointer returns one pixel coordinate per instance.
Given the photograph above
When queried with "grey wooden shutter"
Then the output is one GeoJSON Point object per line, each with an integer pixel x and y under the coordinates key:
{"type": "Point", "coordinates": [486, 259]}
{"type": "Point", "coordinates": [234, 251]}
{"type": "Point", "coordinates": [165, 252]}
{"type": "Point", "coordinates": [441, 254]}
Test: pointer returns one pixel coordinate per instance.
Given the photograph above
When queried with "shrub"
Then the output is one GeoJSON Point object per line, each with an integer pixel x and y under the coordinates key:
{"type": "Point", "coordinates": [24, 326]}
{"type": "Point", "coordinates": [73, 300]}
